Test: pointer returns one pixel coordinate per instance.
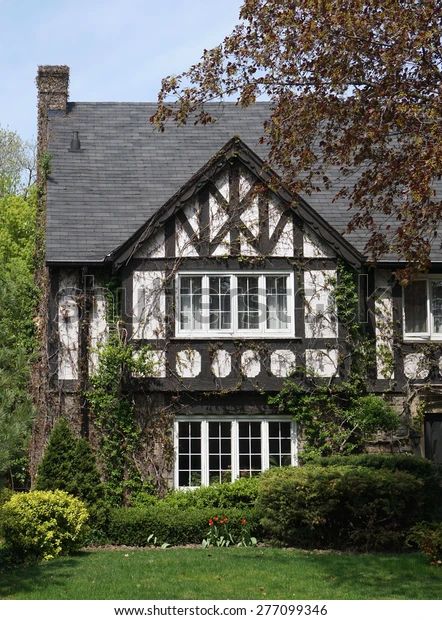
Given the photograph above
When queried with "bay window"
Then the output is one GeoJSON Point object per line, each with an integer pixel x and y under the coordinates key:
{"type": "Point", "coordinates": [242, 304]}
{"type": "Point", "coordinates": [213, 450]}
{"type": "Point", "coordinates": [422, 309]}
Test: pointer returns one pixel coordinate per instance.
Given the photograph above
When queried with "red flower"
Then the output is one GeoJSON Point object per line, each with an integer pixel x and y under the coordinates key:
{"type": "Point", "coordinates": [210, 522]}
{"type": "Point", "coordinates": [215, 518]}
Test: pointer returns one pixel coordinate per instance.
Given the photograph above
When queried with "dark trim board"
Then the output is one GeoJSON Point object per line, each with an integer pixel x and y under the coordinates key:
{"type": "Point", "coordinates": [219, 263]}
{"type": "Point", "coordinates": [231, 404]}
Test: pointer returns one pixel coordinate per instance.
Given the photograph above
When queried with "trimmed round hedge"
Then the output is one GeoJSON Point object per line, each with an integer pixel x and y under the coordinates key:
{"type": "Point", "coordinates": [43, 524]}
{"type": "Point", "coordinates": [415, 465]}
{"type": "Point", "coordinates": [343, 507]}
{"type": "Point", "coordinates": [427, 471]}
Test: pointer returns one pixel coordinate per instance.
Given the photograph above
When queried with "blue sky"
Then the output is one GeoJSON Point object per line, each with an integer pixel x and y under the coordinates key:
{"type": "Point", "coordinates": [118, 50]}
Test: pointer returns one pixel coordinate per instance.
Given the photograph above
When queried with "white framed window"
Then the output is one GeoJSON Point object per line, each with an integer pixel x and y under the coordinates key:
{"type": "Point", "coordinates": [212, 450]}
{"type": "Point", "coordinates": [422, 309]}
{"type": "Point", "coordinates": [190, 315]}
{"type": "Point", "coordinates": [243, 304]}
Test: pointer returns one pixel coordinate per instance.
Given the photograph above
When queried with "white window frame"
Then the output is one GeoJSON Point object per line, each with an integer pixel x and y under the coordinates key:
{"type": "Point", "coordinates": [234, 331]}
{"type": "Point", "coordinates": [234, 435]}
{"type": "Point", "coordinates": [427, 335]}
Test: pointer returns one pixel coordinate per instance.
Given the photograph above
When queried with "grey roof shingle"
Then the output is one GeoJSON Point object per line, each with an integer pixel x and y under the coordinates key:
{"type": "Point", "coordinates": [127, 170]}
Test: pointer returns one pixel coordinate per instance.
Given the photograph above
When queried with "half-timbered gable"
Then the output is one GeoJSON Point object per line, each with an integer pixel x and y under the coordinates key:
{"type": "Point", "coordinates": [232, 282]}
{"type": "Point", "coordinates": [228, 277]}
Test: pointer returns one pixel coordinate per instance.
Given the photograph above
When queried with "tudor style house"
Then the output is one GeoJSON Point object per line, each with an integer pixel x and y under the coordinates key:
{"type": "Point", "coordinates": [229, 280]}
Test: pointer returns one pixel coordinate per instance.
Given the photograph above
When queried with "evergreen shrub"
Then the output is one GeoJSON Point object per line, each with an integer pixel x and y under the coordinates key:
{"type": "Point", "coordinates": [340, 506]}
{"type": "Point", "coordinates": [69, 465]}
{"type": "Point", "coordinates": [417, 466]}
{"type": "Point", "coordinates": [172, 525]}
{"type": "Point", "coordinates": [239, 494]}
{"type": "Point", "coordinates": [427, 471]}
{"type": "Point", "coordinates": [43, 524]}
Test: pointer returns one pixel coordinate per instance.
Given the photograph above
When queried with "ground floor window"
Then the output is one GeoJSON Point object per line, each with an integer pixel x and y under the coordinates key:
{"type": "Point", "coordinates": [223, 449]}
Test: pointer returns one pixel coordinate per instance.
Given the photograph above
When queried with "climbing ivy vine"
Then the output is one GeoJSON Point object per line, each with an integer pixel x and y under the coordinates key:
{"type": "Point", "coordinates": [337, 415]}
{"type": "Point", "coordinates": [114, 415]}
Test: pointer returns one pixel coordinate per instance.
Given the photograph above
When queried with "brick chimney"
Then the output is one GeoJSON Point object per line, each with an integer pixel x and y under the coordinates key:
{"type": "Point", "coordinates": [52, 92]}
{"type": "Point", "coordinates": [52, 95]}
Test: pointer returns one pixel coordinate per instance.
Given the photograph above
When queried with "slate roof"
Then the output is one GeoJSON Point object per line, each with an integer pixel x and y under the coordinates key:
{"type": "Point", "coordinates": [127, 170]}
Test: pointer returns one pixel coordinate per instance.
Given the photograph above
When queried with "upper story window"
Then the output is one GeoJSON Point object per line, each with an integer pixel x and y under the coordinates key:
{"type": "Point", "coordinates": [244, 304]}
{"type": "Point", "coordinates": [422, 304]}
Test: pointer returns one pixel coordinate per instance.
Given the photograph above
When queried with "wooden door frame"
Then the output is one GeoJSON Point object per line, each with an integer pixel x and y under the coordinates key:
{"type": "Point", "coordinates": [432, 417]}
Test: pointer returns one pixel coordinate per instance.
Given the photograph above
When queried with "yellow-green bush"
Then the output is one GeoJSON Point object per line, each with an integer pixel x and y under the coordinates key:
{"type": "Point", "coordinates": [43, 524]}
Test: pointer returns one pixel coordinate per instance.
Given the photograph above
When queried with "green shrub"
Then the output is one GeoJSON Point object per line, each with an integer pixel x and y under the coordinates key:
{"type": "Point", "coordinates": [43, 524]}
{"type": "Point", "coordinates": [134, 526]}
{"type": "Point", "coordinates": [340, 506]}
{"type": "Point", "coordinates": [425, 470]}
{"type": "Point", "coordinates": [422, 468]}
{"type": "Point", "coordinates": [239, 494]}
{"type": "Point", "coordinates": [143, 500]}
{"type": "Point", "coordinates": [428, 538]}
{"type": "Point", "coordinates": [5, 495]}
{"type": "Point", "coordinates": [69, 465]}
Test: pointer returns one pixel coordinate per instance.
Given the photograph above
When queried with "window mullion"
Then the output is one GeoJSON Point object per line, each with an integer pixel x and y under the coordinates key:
{"type": "Point", "coordinates": [176, 453]}
{"type": "Point", "coordinates": [178, 305]}
{"type": "Point", "coordinates": [265, 459]}
{"type": "Point", "coordinates": [429, 308]}
{"type": "Point", "coordinates": [205, 303]}
{"type": "Point", "coordinates": [234, 302]}
{"type": "Point", "coordinates": [291, 301]}
{"type": "Point", "coordinates": [262, 288]}
{"type": "Point", "coordinates": [294, 442]}
{"type": "Point", "coordinates": [235, 449]}
{"type": "Point", "coordinates": [204, 453]}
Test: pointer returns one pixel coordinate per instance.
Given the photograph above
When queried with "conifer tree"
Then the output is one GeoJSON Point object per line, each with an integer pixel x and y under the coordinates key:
{"type": "Point", "coordinates": [69, 464]}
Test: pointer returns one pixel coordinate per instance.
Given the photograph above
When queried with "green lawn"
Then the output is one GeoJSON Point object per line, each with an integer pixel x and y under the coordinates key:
{"type": "Point", "coordinates": [224, 574]}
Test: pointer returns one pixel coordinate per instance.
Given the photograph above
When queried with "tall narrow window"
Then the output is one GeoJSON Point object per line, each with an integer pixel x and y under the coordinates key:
{"type": "Point", "coordinates": [436, 306]}
{"type": "Point", "coordinates": [220, 452]}
{"type": "Point", "coordinates": [248, 302]}
{"type": "Point", "coordinates": [249, 449]}
{"type": "Point", "coordinates": [276, 306]}
{"type": "Point", "coordinates": [280, 452]}
{"type": "Point", "coordinates": [191, 303]}
{"type": "Point", "coordinates": [219, 302]}
{"type": "Point", "coordinates": [415, 307]}
{"type": "Point", "coordinates": [189, 459]}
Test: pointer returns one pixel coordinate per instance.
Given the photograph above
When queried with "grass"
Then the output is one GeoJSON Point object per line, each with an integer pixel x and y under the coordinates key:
{"type": "Point", "coordinates": [252, 573]}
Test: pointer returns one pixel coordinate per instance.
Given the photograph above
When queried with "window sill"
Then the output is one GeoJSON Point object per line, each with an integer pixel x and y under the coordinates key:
{"type": "Point", "coordinates": [420, 340]}
{"type": "Point", "coordinates": [236, 337]}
